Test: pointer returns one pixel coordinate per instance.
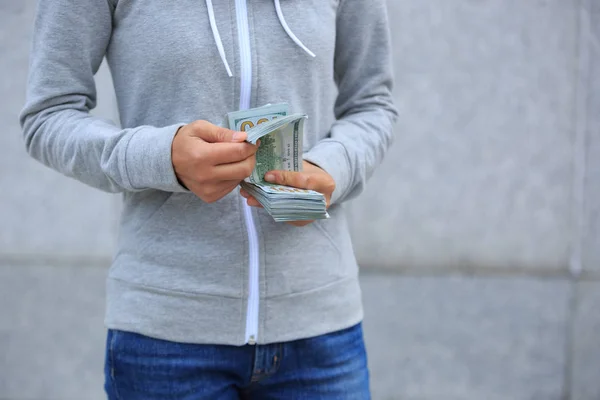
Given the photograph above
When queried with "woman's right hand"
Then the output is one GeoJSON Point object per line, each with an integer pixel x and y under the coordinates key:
{"type": "Point", "coordinates": [211, 161]}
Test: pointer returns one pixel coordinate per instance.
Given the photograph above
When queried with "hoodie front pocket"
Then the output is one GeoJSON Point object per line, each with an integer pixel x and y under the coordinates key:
{"type": "Point", "coordinates": [188, 245]}
{"type": "Point", "coordinates": [300, 259]}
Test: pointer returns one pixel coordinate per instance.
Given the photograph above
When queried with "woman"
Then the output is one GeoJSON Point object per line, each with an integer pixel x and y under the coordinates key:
{"type": "Point", "coordinates": [208, 297]}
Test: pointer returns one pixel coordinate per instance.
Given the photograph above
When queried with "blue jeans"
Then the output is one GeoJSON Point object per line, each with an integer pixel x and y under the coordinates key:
{"type": "Point", "coordinates": [328, 367]}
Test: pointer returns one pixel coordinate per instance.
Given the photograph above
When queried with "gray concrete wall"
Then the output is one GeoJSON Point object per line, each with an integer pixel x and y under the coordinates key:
{"type": "Point", "coordinates": [43, 215]}
{"type": "Point", "coordinates": [590, 126]}
{"type": "Point", "coordinates": [481, 174]}
{"type": "Point", "coordinates": [467, 234]}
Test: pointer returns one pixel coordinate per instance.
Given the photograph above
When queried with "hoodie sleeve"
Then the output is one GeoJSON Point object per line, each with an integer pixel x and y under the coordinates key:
{"type": "Point", "coordinates": [69, 42]}
{"type": "Point", "coordinates": [364, 109]}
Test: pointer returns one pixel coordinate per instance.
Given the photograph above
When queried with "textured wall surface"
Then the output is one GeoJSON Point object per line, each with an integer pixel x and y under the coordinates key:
{"type": "Point", "coordinates": [590, 103]}
{"type": "Point", "coordinates": [586, 346]}
{"type": "Point", "coordinates": [481, 171]}
{"type": "Point", "coordinates": [43, 214]}
{"type": "Point", "coordinates": [465, 234]}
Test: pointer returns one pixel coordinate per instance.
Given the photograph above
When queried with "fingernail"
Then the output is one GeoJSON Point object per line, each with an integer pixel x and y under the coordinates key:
{"type": "Point", "coordinates": [270, 177]}
{"type": "Point", "coordinates": [239, 135]}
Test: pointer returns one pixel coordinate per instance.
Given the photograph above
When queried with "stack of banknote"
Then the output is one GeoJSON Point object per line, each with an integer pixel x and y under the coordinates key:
{"type": "Point", "coordinates": [280, 148]}
{"type": "Point", "coordinates": [285, 203]}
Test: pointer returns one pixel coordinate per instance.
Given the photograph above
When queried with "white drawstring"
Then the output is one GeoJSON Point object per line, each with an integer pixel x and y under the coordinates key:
{"type": "Point", "coordinates": [219, 43]}
{"type": "Point", "coordinates": [217, 37]}
{"type": "Point", "coordinates": [289, 31]}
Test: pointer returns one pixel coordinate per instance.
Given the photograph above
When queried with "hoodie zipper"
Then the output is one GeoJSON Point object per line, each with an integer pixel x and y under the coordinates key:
{"type": "Point", "coordinates": [241, 12]}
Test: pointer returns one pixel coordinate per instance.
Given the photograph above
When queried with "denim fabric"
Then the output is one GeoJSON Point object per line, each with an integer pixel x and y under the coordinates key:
{"type": "Point", "coordinates": [328, 367]}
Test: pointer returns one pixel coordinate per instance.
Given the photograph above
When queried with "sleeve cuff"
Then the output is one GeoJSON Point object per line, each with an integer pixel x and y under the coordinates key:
{"type": "Point", "coordinates": [331, 157]}
{"type": "Point", "coordinates": [148, 159]}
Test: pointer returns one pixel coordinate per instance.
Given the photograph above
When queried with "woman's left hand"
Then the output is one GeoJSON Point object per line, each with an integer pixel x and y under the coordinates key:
{"type": "Point", "coordinates": [311, 178]}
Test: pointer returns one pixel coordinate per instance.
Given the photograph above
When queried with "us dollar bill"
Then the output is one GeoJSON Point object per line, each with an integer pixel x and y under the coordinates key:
{"type": "Point", "coordinates": [280, 148]}
{"type": "Point", "coordinates": [245, 120]}
{"type": "Point", "coordinates": [280, 134]}
{"type": "Point", "coordinates": [280, 145]}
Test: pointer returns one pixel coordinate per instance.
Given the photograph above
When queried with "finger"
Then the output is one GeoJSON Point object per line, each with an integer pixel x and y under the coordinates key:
{"type": "Point", "coordinates": [252, 202]}
{"type": "Point", "coordinates": [227, 153]}
{"type": "Point", "coordinates": [234, 171]}
{"type": "Point", "coordinates": [300, 223]}
{"type": "Point", "coordinates": [216, 134]}
{"type": "Point", "coordinates": [299, 180]}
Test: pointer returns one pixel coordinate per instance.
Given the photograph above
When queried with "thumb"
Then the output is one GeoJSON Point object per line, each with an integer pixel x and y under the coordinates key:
{"type": "Point", "coordinates": [216, 134]}
{"type": "Point", "coordinates": [288, 178]}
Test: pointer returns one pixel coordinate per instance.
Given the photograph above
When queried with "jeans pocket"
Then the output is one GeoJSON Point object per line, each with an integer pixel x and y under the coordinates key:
{"type": "Point", "coordinates": [109, 368]}
{"type": "Point", "coordinates": [337, 363]}
{"type": "Point", "coordinates": [146, 368]}
{"type": "Point", "coordinates": [131, 358]}
{"type": "Point", "coordinates": [343, 347]}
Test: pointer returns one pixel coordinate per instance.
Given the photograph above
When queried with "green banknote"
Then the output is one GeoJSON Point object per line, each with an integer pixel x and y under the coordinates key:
{"type": "Point", "coordinates": [247, 119]}
{"type": "Point", "coordinates": [280, 135]}
{"type": "Point", "coordinates": [280, 145]}
{"type": "Point", "coordinates": [284, 203]}
{"type": "Point", "coordinates": [280, 148]}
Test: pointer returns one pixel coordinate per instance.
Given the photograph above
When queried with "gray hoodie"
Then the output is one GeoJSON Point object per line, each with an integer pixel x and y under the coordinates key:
{"type": "Point", "coordinates": [219, 273]}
